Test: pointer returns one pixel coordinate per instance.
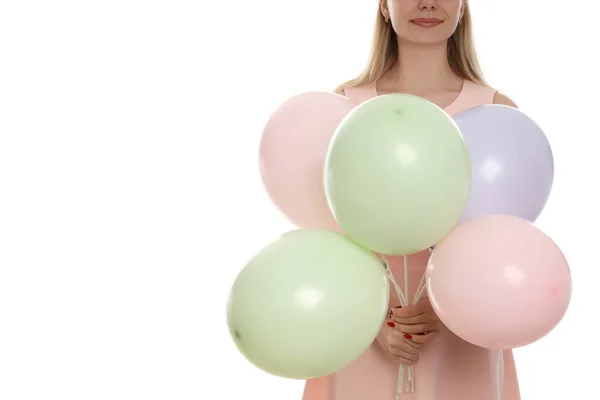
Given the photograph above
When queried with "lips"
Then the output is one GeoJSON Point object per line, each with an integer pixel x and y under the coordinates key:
{"type": "Point", "coordinates": [426, 22]}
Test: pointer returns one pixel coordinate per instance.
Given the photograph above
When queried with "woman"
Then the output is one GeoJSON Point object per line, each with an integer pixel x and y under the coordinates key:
{"type": "Point", "coordinates": [421, 47]}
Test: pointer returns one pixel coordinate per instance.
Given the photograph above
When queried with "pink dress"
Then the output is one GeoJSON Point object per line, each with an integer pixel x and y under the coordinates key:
{"type": "Point", "coordinates": [448, 367]}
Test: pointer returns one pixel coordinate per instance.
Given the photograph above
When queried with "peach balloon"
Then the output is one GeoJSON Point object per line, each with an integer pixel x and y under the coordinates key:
{"type": "Point", "coordinates": [498, 282]}
{"type": "Point", "coordinates": [292, 156]}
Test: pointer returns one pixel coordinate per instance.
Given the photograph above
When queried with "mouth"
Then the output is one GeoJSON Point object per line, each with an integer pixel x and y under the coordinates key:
{"type": "Point", "coordinates": [426, 22]}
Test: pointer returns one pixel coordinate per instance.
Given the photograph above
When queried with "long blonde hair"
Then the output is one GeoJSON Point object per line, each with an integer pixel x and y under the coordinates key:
{"type": "Point", "coordinates": [384, 53]}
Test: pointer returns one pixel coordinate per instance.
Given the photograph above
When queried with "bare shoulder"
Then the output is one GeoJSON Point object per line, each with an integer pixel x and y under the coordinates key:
{"type": "Point", "coordinates": [500, 98]}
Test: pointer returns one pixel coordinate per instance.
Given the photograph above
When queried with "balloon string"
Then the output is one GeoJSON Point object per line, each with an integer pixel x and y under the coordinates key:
{"type": "Point", "coordinates": [419, 292]}
{"type": "Point", "coordinates": [403, 298]}
{"type": "Point", "coordinates": [410, 384]}
{"type": "Point", "coordinates": [400, 381]}
{"type": "Point", "coordinates": [406, 279]}
{"type": "Point", "coordinates": [497, 369]}
{"type": "Point", "coordinates": [421, 288]}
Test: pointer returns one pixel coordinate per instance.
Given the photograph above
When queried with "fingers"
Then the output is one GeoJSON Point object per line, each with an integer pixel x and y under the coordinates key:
{"type": "Point", "coordinates": [401, 348]}
{"type": "Point", "coordinates": [411, 320]}
{"type": "Point", "coordinates": [411, 342]}
{"type": "Point", "coordinates": [399, 340]}
{"type": "Point", "coordinates": [406, 353]}
{"type": "Point", "coordinates": [422, 339]}
{"type": "Point", "coordinates": [406, 312]}
{"type": "Point", "coordinates": [416, 314]}
{"type": "Point", "coordinates": [418, 328]}
{"type": "Point", "coordinates": [406, 361]}
{"type": "Point", "coordinates": [421, 307]}
{"type": "Point", "coordinates": [405, 350]}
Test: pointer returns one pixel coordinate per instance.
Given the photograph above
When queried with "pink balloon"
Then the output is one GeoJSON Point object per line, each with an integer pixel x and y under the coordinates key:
{"type": "Point", "coordinates": [498, 282]}
{"type": "Point", "coordinates": [292, 156]}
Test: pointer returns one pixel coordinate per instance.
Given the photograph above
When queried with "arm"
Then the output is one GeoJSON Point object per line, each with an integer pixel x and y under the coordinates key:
{"type": "Point", "coordinates": [318, 388]}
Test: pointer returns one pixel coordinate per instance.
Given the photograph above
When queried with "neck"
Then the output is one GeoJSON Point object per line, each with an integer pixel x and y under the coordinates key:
{"type": "Point", "coordinates": [422, 68]}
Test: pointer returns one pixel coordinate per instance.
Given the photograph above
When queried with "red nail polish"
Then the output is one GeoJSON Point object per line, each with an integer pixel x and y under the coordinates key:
{"type": "Point", "coordinates": [408, 336]}
{"type": "Point", "coordinates": [391, 324]}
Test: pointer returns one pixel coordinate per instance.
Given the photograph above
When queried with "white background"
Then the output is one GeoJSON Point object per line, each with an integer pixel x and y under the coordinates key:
{"type": "Point", "coordinates": [130, 196]}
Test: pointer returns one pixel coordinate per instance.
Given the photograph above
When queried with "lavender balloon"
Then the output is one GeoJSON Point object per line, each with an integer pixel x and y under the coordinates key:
{"type": "Point", "coordinates": [512, 162]}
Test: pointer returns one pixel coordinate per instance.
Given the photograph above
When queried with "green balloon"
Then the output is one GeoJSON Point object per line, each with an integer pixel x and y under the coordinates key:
{"type": "Point", "coordinates": [308, 304]}
{"type": "Point", "coordinates": [397, 174]}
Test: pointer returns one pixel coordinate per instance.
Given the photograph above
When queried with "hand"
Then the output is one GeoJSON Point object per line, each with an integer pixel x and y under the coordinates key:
{"type": "Point", "coordinates": [418, 321]}
{"type": "Point", "coordinates": [398, 346]}
{"type": "Point", "coordinates": [407, 329]}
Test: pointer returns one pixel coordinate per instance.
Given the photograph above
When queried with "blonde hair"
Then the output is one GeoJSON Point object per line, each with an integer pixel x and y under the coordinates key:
{"type": "Point", "coordinates": [384, 53]}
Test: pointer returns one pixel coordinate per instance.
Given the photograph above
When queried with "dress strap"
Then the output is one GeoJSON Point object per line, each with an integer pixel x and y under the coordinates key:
{"type": "Point", "coordinates": [472, 95]}
{"type": "Point", "coordinates": [360, 94]}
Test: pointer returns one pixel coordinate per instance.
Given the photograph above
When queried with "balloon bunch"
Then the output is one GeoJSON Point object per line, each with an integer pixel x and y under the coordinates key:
{"type": "Point", "coordinates": [396, 175]}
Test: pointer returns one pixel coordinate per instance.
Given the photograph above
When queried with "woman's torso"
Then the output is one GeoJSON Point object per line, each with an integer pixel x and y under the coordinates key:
{"type": "Point", "coordinates": [449, 368]}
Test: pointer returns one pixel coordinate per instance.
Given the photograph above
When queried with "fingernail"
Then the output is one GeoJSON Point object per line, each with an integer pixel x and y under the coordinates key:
{"type": "Point", "coordinates": [408, 336]}
{"type": "Point", "coordinates": [391, 324]}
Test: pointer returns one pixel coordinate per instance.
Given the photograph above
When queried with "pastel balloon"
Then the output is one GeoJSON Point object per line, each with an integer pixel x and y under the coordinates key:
{"type": "Point", "coordinates": [499, 282]}
{"type": "Point", "coordinates": [292, 153]}
{"type": "Point", "coordinates": [398, 174]}
{"type": "Point", "coordinates": [308, 304]}
{"type": "Point", "coordinates": [513, 165]}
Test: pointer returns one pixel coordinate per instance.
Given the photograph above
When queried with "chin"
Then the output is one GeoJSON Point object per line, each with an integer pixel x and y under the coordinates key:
{"type": "Point", "coordinates": [425, 39]}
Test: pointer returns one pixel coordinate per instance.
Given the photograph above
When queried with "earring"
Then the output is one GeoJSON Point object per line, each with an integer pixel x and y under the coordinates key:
{"type": "Point", "coordinates": [387, 19]}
